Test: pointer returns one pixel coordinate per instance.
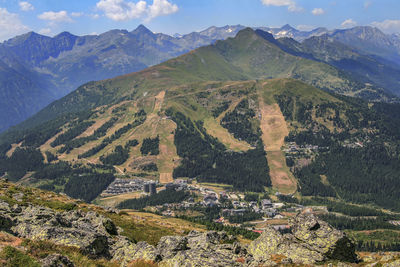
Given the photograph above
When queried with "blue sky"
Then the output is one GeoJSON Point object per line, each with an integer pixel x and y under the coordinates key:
{"type": "Point", "coordinates": [80, 17]}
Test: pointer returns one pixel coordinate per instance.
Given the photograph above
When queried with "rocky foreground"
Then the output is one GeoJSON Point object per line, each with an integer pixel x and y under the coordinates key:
{"type": "Point", "coordinates": [310, 242]}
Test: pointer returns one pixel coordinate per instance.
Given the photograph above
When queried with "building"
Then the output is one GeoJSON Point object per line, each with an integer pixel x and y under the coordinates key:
{"type": "Point", "coordinates": [146, 188]}
{"type": "Point", "coordinates": [152, 189]}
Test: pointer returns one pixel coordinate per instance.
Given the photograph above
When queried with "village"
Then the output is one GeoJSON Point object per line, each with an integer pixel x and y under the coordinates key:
{"type": "Point", "coordinates": [231, 204]}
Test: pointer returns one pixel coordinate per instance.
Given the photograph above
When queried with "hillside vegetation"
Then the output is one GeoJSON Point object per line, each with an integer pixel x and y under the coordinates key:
{"type": "Point", "coordinates": [215, 115]}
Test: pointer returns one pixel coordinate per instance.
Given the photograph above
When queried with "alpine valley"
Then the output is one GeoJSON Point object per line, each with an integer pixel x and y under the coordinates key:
{"type": "Point", "coordinates": [286, 141]}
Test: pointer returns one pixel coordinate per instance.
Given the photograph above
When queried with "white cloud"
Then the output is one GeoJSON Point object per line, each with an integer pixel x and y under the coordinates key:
{"type": "Point", "coordinates": [388, 26]}
{"type": "Point", "coordinates": [125, 10]}
{"type": "Point", "coordinates": [76, 14]}
{"type": "Point", "coordinates": [10, 25]}
{"type": "Point", "coordinates": [94, 16]}
{"type": "Point", "coordinates": [61, 16]}
{"type": "Point", "coordinates": [291, 4]}
{"type": "Point", "coordinates": [161, 8]}
{"type": "Point", "coordinates": [348, 23]}
{"type": "Point", "coordinates": [45, 31]}
{"type": "Point", "coordinates": [121, 10]}
{"type": "Point", "coordinates": [25, 6]}
{"type": "Point", "coordinates": [318, 11]}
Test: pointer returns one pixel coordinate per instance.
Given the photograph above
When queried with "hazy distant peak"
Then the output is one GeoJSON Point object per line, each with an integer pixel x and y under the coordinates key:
{"type": "Point", "coordinates": [287, 27]}
{"type": "Point", "coordinates": [141, 29]}
{"type": "Point", "coordinates": [64, 34]}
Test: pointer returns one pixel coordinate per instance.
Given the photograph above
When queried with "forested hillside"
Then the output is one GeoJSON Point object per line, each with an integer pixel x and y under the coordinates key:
{"type": "Point", "coordinates": [202, 116]}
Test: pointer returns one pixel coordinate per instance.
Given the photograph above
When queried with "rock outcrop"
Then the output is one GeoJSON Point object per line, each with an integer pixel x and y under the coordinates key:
{"type": "Point", "coordinates": [311, 241]}
{"type": "Point", "coordinates": [56, 260]}
{"type": "Point", "coordinates": [201, 249]}
{"type": "Point", "coordinates": [84, 230]}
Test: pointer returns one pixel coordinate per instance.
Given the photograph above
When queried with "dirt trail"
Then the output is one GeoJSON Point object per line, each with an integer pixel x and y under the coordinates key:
{"type": "Point", "coordinates": [273, 126]}
{"type": "Point", "coordinates": [164, 128]}
{"type": "Point", "coordinates": [215, 129]}
{"type": "Point", "coordinates": [166, 178]}
{"type": "Point", "coordinates": [274, 130]}
{"type": "Point", "coordinates": [167, 149]}
{"type": "Point", "coordinates": [231, 108]}
{"type": "Point", "coordinates": [159, 101]}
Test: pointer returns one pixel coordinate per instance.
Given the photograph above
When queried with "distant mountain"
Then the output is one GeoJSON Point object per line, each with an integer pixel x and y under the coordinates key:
{"type": "Point", "coordinates": [228, 60]}
{"type": "Point", "coordinates": [56, 66]}
{"type": "Point", "coordinates": [221, 33]}
{"type": "Point", "coordinates": [370, 40]}
{"type": "Point", "coordinates": [20, 96]}
{"type": "Point", "coordinates": [289, 31]}
{"type": "Point", "coordinates": [366, 68]}
{"type": "Point", "coordinates": [221, 114]}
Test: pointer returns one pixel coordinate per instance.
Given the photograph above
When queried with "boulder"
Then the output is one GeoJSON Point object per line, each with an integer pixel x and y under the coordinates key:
{"type": "Point", "coordinates": [203, 257]}
{"type": "Point", "coordinates": [201, 249]}
{"type": "Point", "coordinates": [125, 251]}
{"type": "Point", "coordinates": [272, 243]}
{"type": "Point", "coordinates": [319, 236]}
{"type": "Point", "coordinates": [310, 242]}
{"type": "Point", "coordinates": [74, 228]}
{"type": "Point", "coordinates": [169, 246]}
{"type": "Point", "coordinates": [205, 240]}
{"type": "Point", "coordinates": [56, 260]}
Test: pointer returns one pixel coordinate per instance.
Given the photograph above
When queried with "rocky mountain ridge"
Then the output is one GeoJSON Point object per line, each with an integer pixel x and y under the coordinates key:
{"type": "Point", "coordinates": [54, 66]}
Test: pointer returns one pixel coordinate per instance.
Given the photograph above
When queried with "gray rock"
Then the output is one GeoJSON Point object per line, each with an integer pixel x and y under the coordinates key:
{"type": "Point", "coordinates": [320, 236]}
{"type": "Point", "coordinates": [392, 264]}
{"type": "Point", "coordinates": [168, 246]}
{"type": "Point", "coordinates": [74, 228]}
{"type": "Point", "coordinates": [205, 240]}
{"type": "Point", "coordinates": [56, 260]}
{"type": "Point", "coordinates": [312, 241]}
{"type": "Point", "coordinates": [125, 251]}
{"type": "Point", "coordinates": [18, 196]}
{"type": "Point", "coordinates": [202, 257]}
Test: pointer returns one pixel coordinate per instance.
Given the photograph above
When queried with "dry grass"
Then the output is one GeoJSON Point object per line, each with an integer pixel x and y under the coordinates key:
{"type": "Point", "coordinates": [274, 130]}
{"type": "Point", "coordinates": [113, 201]}
{"type": "Point", "coordinates": [9, 240]}
{"type": "Point", "coordinates": [142, 263]}
{"type": "Point", "coordinates": [281, 177]}
{"type": "Point", "coordinates": [12, 149]}
{"type": "Point", "coordinates": [216, 130]}
{"type": "Point", "coordinates": [166, 178]}
{"type": "Point", "coordinates": [178, 226]}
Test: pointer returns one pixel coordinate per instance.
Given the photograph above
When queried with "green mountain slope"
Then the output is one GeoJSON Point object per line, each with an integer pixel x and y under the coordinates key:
{"type": "Point", "coordinates": [250, 55]}
{"type": "Point", "coordinates": [207, 116]}
{"type": "Point", "coordinates": [17, 85]}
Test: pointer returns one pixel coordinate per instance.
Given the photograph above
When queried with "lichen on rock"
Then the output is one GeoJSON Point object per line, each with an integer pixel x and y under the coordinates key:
{"type": "Point", "coordinates": [311, 241]}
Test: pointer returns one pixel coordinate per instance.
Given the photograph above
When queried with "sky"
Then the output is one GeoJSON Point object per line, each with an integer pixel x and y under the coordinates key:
{"type": "Point", "coordinates": [80, 17]}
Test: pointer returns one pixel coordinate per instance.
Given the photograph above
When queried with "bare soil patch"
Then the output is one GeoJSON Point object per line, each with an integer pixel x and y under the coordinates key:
{"type": "Point", "coordinates": [274, 130]}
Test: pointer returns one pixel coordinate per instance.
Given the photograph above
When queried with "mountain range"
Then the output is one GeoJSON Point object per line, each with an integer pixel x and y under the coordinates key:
{"type": "Point", "coordinates": [223, 113]}
{"type": "Point", "coordinates": [37, 69]}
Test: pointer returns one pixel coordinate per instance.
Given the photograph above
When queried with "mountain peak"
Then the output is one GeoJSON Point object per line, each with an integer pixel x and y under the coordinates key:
{"type": "Point", "coordinates": [287, 27]}
{"type": "Point", "coordinates": [64, 34]}
{"type": "Point", "coordinates": [141, 29]}
{"type": "Point", "coordinates": [245, 32]}
{"type": "Point", "coordinates": [24, 37]}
